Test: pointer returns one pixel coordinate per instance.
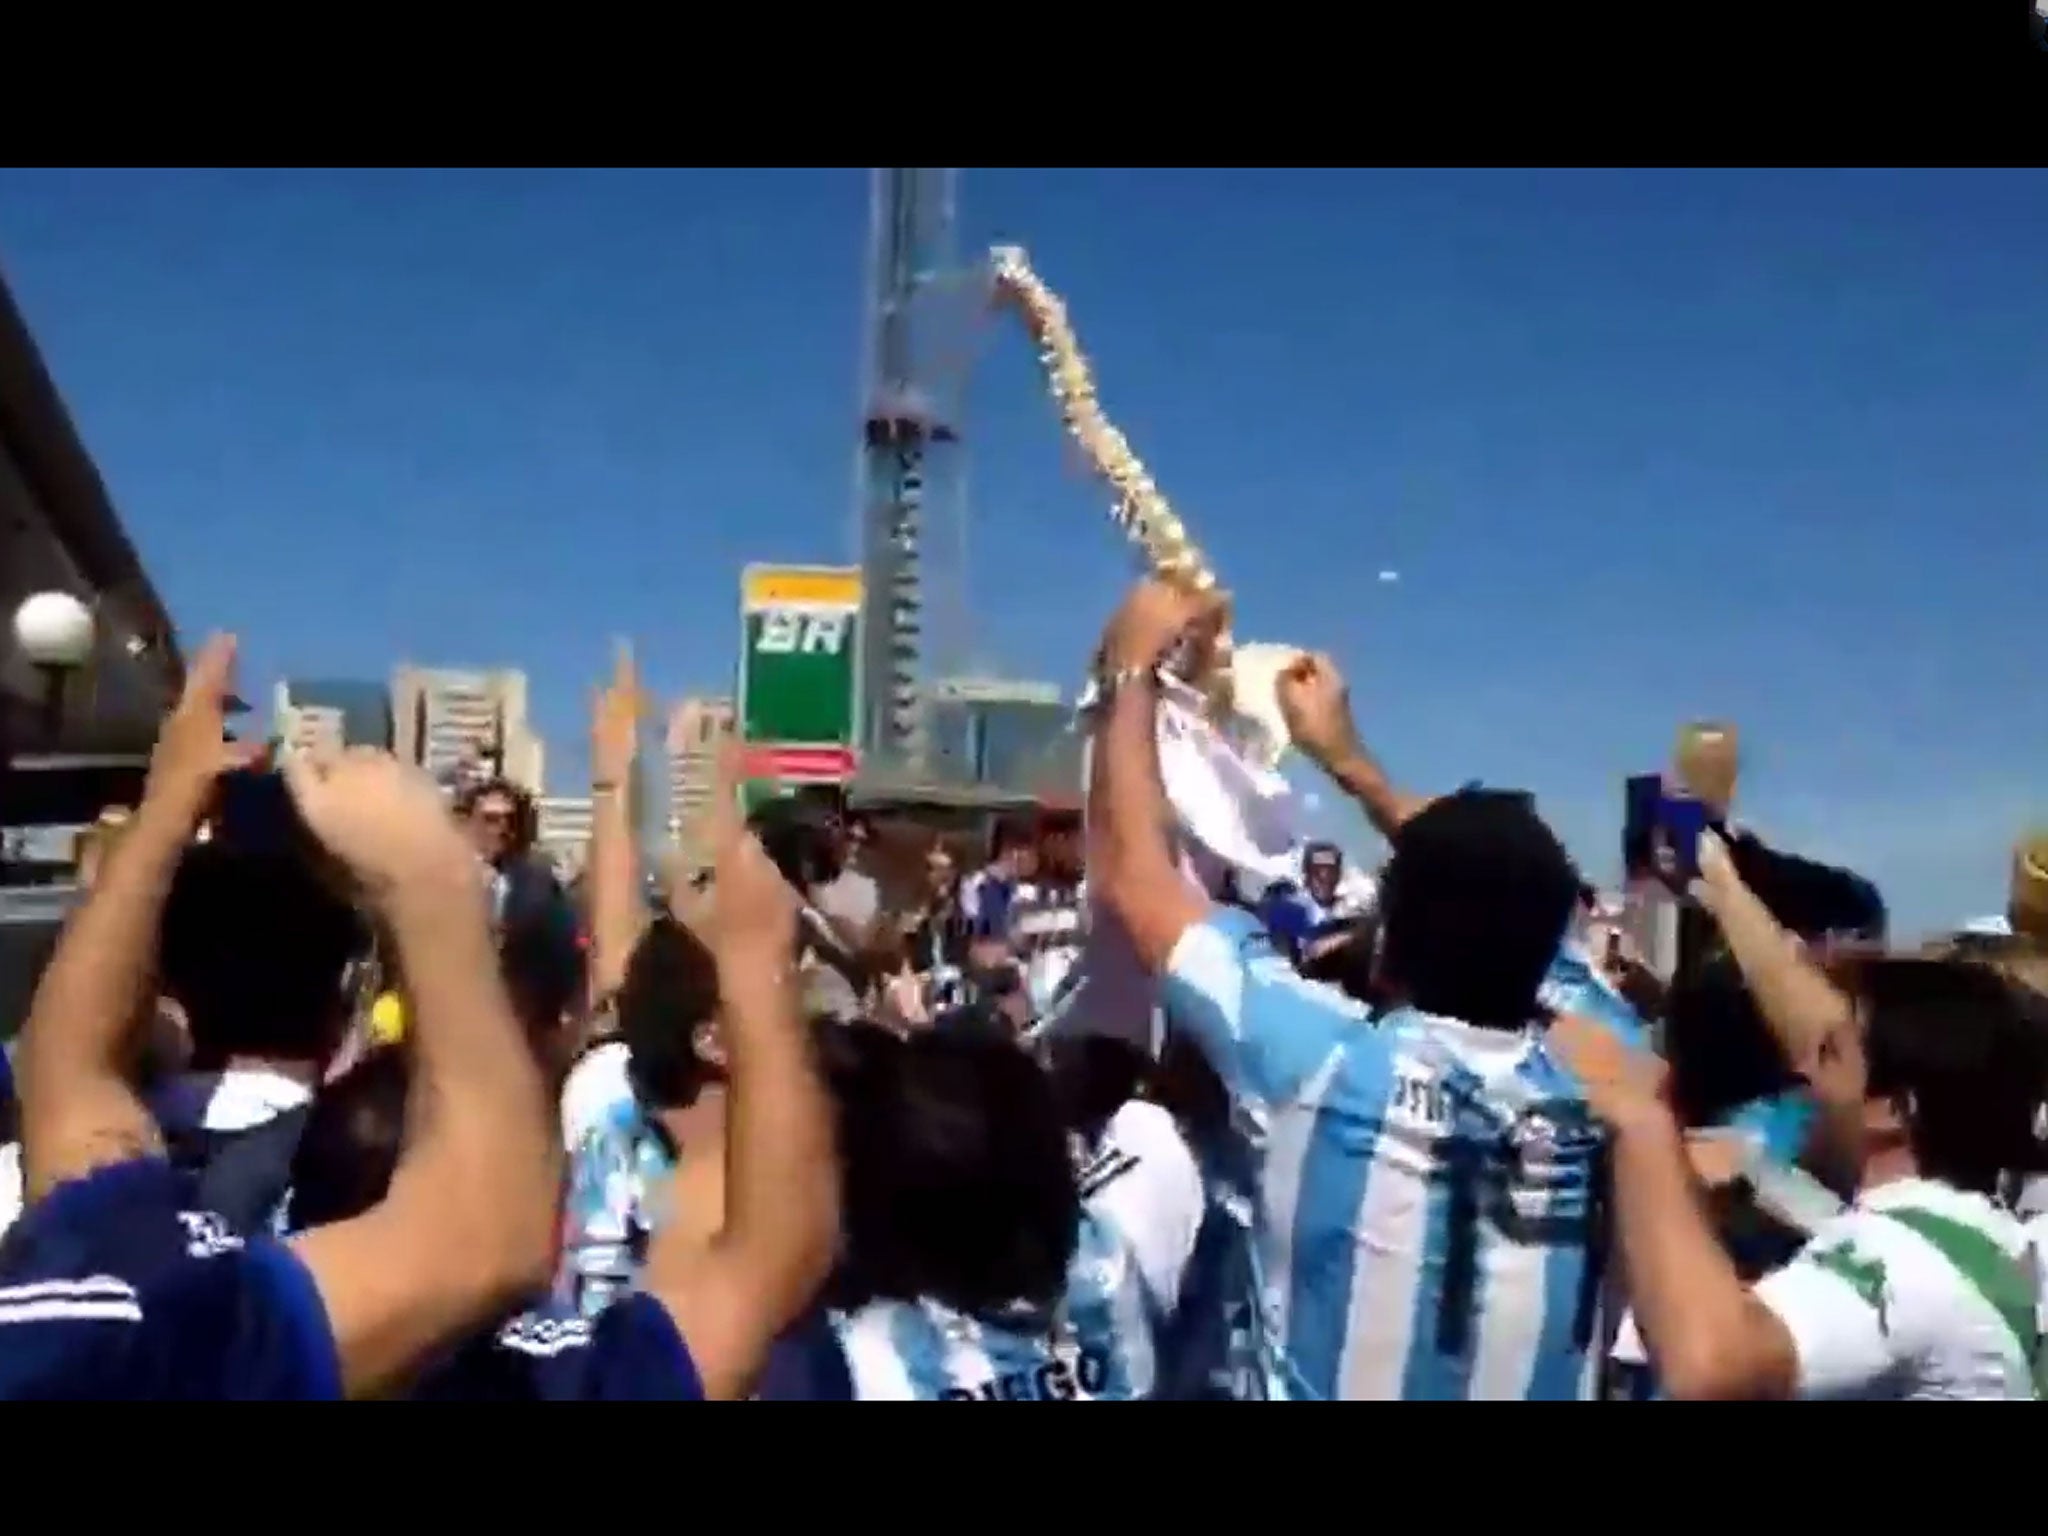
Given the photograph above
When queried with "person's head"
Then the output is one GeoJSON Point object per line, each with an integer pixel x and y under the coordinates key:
{"type": "Point", "coordinates": [1473, 905]}
{"type": "Point", "coordinates": [1092, 1077]}
{"type": "Point", "coordinates": [941, 874]}
{"type": "Point", "coordinates": [856, 837]}
{"type": "Point", "coordinates": [1322, 866]}
{"type": "Point", "coordinates": [1059, 846]}
{"type": "Point", "coordinates": [1954, 1074]}
{"type": "Point", "coordinates": [500, 818]}
{"type": "Point", "coordinates": [668, 1017]}
{"type": "Point", "coordinates": [254, 948]}
{"type": "Point", "coordinates": [1013, 849]}
{"type": "Point", "coordinates": [800, 835]}
{"type": "Point", "coordinates": [957, 1183]}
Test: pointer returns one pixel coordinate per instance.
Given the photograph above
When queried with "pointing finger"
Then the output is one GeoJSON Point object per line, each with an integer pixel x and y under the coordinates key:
{"type": "Point", "coordinates": [212, 671]}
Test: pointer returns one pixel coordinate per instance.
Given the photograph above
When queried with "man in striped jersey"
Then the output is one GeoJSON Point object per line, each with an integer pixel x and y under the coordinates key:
{"type": "Point", "coordinates": [1424, 1217]}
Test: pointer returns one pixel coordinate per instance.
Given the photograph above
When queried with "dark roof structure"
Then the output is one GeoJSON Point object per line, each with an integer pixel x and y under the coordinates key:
{"type": "Point", "coordinates": [66, 506]}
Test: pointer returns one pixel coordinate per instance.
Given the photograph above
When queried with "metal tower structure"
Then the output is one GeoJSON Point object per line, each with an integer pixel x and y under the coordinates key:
{"type": "Point", "coordinates": [909, 481]}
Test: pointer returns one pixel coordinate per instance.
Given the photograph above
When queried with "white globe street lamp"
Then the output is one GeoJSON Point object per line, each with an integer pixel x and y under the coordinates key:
{"type": "Point", "coordinates": [55, 632]}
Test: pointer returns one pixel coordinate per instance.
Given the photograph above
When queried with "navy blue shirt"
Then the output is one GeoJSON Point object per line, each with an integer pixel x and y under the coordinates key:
{"type": "Point", "coordinates": [112, 1287]}
{"type": "Point", "coordinates": [115, 1286]}
{"type": "Point", "coordinates": [631, 1353]}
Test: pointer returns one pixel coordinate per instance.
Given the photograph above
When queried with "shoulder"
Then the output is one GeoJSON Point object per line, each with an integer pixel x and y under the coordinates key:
{"type": "Point", "coordinates": [1898, 1280]}
{"type": "Point", "coordinates": [114, 1286]}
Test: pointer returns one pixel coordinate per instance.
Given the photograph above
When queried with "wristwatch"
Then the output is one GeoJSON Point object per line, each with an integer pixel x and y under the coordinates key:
{"type": "Point", "coordinates": [1105, 686]}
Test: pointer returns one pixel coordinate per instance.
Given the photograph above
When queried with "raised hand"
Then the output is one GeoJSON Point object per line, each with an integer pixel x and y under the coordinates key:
{"type": "Point", "coordinates": [1316, 704]}
{"type": "Point", "coordinates": [384, 820]}
{"type": "Point", "coordinates": [615, 716]}
{"type": "Point", "coordinates": [192, 750]}
{"type": "Point", "coordinates": [754, 911]}
{"type": "Point", "coordinates": [1154, 617]}
{"type": "Point", "coordinates": [1621, 1082]}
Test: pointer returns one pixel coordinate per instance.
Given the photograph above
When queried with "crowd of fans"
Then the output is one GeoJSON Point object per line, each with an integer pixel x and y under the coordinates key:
{"type": "Point", "coordinates": [330, 1089]}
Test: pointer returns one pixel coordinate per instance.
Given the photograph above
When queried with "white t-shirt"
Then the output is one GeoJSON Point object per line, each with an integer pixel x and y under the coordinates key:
{"type": "Point", "coordinates": [1143, 1183]}
{"type": "Point", "coordinates": [1877, 1311]}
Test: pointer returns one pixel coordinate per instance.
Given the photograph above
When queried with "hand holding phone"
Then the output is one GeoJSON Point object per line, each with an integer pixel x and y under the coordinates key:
{"type": "Point", "coordinates": [1681, 820]}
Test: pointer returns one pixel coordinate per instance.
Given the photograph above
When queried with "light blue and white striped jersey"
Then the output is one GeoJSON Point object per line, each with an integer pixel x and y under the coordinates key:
{"type": "Point", "coordinates": [1097, 1344]}
{"type": "Point", "coordinates": [1573, 986]}
{"type": "Point", "coordinates": [1426, 1215]}
{"type": "Point", "coordinates": [617, 1179]}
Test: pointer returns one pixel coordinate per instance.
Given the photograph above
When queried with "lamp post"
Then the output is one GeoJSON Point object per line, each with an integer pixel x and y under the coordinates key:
{"type": "Point", "coordinates": [55, 632]}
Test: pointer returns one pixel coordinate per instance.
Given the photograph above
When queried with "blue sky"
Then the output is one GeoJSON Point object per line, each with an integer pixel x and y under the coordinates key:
{"type": "Point", "coordinates": [1767, 445]}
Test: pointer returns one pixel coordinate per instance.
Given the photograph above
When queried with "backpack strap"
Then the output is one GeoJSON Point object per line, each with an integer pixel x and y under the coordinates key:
{"type": "Point", "coordinates": [1993, 1273]}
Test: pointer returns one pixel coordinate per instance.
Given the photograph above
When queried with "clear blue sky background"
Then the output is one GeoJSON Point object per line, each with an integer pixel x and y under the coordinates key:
{"type": "Point", "coordinates": [1766, 445]}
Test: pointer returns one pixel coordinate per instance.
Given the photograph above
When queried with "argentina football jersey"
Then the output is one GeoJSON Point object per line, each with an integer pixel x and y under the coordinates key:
{"type": "Point", "coordinates": [1095, 1345]}
{"type": "Point", "coordinates": [1425, 1219]}
{"type": "Point", "coordinates": [1574, 986]}
{"type": "Point", "coordinates": [619, 1168]}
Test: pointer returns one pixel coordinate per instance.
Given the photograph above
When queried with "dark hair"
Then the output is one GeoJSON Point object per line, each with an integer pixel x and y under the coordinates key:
{"type": "Point", "coordinates": [1963, 1050]}
{"type": "Point", "coordinates": [1474, 903]}
{"type": "Point", "coordinates": [670, 988]}
{"type": "Point", "coordinates": [796, 833]}
{"type": "Point", "coordinates": [254, 946]}
{"type": "Point", "coordinates": [1009, 833]}
{"type": "Point", "coordinates": [1092, 1077]}
{"type": "Point", "coordinates": [544, 968]}
{"type": "Point", "coordinates": [1722, 1053]}
{"type": "Point", "coordinates": [957, 1183]}
{"type": "Point", "coordinates": [525, 813]}
{"type": "Point", "coordinates": [351, 1140]}
{"type": "Point", "coordinates": [1350, 966]}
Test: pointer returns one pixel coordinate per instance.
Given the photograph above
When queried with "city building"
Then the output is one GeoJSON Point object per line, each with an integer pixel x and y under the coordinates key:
{"type": "Point", "coordinates": [462, 723]}
{"type": "Point", "coordinates": [360, 709]}
{"type": "Point", "coordinates": [564, 832]}
{"type": "Point", "coordinates": [1001, 733]}
{"type": "Point", "coordinates": [696, 728]}
{"type": "Point", "coordinates": [312, 728]}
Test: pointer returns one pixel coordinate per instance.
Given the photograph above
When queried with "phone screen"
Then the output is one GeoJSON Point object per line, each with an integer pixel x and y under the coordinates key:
{"type": "Point", "coordinates": [1680, 820]}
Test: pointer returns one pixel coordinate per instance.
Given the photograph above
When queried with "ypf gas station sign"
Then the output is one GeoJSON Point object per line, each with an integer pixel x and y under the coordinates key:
{"type": "Point", "coordinates": [799, 683]}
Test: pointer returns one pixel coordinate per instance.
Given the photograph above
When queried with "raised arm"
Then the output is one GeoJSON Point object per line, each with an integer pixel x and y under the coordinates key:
{"type": "Point", "coordinates": [1811, 1019]}
{"type": "Point", "coordinates": [617, 913]}
{"type": "Point", "coordinates": [78, 1110]}
{"type": "Point", "coordinates": [467, 1226]}
{"type": "Point", "coordinates": [1130, 860]}
{"type": "Point", "coordinates": [1317, 707]}
{"type": "Point", "coordinates": [1708, 1335]}
{"type": "Point", "coordinates": [732, 1296]}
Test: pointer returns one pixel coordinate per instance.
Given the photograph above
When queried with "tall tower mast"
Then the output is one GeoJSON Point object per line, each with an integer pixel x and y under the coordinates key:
{"type": "Point", "coordinates": [909, 478]}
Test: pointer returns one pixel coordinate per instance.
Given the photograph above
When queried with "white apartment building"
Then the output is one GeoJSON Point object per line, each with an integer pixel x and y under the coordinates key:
{"type": "Point", "coordinates": [564, 832]}
{"type": "Point", "coordinates": [306, 727]}
{"type": "Point", "coordinates": [696, 727]}
{"type": "Point", "coordinates": [462, 723]}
